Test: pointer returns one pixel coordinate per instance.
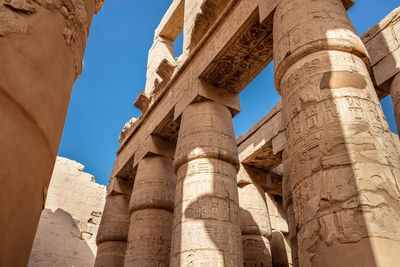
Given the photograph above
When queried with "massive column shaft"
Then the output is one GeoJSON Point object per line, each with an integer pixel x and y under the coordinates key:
{"type": "Point", "coordinates": [288, 206]}
{"type": "Point", "coordinates": [395, 94]}
{"type": "Point", "coordinates": [344, 169]}
{"type": "Point", "coordinates": [41, 51]}
{"type": "Point", "coordinates": [206, 227]}
{"type": "Point", "coordinates": [113, 230]}
{"type": "Point", "coordinates": [255, 225]}
{"type": "Point", "coordinates": [151, 207]}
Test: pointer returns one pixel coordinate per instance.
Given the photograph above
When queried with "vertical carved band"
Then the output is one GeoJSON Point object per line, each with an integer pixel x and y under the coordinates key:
{"type": "Point", "coordinates": [344, 166]}
{"type": "Point", "coordinates": [206, 216]}
{"type": "Point", "coordinates": [151, 208]}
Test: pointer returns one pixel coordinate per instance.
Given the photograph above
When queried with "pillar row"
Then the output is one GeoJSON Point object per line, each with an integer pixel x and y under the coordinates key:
{"type": "Point", "coordinates": [255, 224]}
{"type": "Point", "coordinates": [344, 168]}
{"type": "Point", "coordinates": [113, 230]}
{"type": "Point", "coordinates": [206, 227]}
{"type": "Point", "coordinates": [151, 209]}
{"type": "Point", "coordinates": [395, 94]}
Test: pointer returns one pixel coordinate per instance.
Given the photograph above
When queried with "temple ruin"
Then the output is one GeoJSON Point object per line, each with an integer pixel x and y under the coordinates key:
{"type": "Point", "coordinates": [66, 234]}
{"type": "Point", "coordinates": [313, 183]}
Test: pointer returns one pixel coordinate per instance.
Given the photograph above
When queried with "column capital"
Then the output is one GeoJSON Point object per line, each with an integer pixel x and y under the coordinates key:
{"type": "Point", "coordinates": [296, 36]}
{"type": "Point", "coordinates": [119, 186]}
{"type": "Point", "coordinates": [154, 145]}
{"type": "Point", "coordinates": [203, 90]}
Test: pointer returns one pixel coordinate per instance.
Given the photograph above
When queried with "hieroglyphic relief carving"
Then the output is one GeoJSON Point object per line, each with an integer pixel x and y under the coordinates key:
{"type": "Point", "coordinates": [245, 57]}
{"type": "Point", "coordinates": [206, 216]}
{"type": "Point", "coordinates": [343, 167]}
{"type": "Point", "coordinates": [203, 13]}
{"type": "Point", "coordinates": [254, 221]}
{"type": "Point", "coordinates": [113, 230]}
{"type": "Point", "coordinates": [151, 208]}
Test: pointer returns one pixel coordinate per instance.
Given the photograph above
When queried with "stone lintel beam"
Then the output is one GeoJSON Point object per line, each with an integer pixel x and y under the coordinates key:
{"type": "Point", "coordinates": [171, 24]}
{"type": "Point", "coordinates": [142, 102]}
{"type": "Point", "coordinates": [182, 82]}
{"type": "Point", "coordinates": [129, 126]}
{"type": "Point", "coordinates": [243, 57]}
{"type": "Point", "coordinates": [160, 65]}
{"type": "Point", "coordinates": [154, 145]}
{"type": "Point", "coordinates": [270, 182]}
{"type": "Point", "coordinates": [383, 44]}
{"type": "Point", "coordinates": [204, 90]}
{"type": "Point", "coordinates": [262, 145]}
{"type": "Point", "coordinates": [118, 186]}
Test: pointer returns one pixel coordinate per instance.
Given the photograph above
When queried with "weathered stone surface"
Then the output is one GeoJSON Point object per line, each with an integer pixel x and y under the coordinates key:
{"type": "Point", "coordinates": [160, 66]}
{"type": "Point", "coordinates": [171, 24]}
{"type": "Point", "coordinates": [338, 199]}
{"type": "Point", "coordinates": [255, 226]}
{"type": "Point", "coordinates": [343, 163]}
{"type": "Point", "coordinates": [280, 249]}
{"type": "Point", "coordinates": [256, 251]}
{"type": "Point", "coordinates": [199, 16]}
{"type": "Point", "coordinates": [395, 94]}
{"type": "Point", "coordinates": [68, 226]}
{"type": "Point", "coordinates": [276, 213]}
{"type": "Point", "coordinates": [41, 50]}
{"type": "Point", "coordinates": [206, 228]}
{"type": "Point", "coordinates": [114, 226]}
{"type": "Point", "coordinates": [151, 207]}
{"type": "Point", "coordinates": [382, 42]}
{"type": "Point", "coordinates": [261, 146]}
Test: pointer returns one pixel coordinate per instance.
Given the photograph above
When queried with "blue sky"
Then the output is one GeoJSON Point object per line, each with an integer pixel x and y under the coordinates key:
{"type": "Point", "coordinates": [115, 72]}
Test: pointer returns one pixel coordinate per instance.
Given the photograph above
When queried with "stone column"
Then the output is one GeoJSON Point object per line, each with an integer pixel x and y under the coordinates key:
{"type": "Point", "coordinates": [395, 94]}
{"type": "Point", "coordinates": [113, 230]}
{"type": "Point", "coordinates": [206, 228]}
{"type": "Point", "coordinates": [255, 224]}
{"type": "Point", "coordinates": [151, 207]}
{"type": "Point", "coordinates": [288, 206]}
{"type": "Point", "coordinates": [344, 168]}
{"type": "Point", "coordinates": [41, 49]}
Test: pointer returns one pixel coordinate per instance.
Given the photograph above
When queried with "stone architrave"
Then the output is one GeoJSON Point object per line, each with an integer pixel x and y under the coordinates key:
{"type": "Point", "coordinates": [41, 50]}
{"type": "Point", "coordinates": [113, 230]}
{"type": "Point", "coordinates": [395, 94]}
{"type": "Point", "coordinates": [206, 227]}
{"type": "Point", "coordinates": [151, 207]}
{"type": "Point", "coordinates": [254, 223]}
{"type": "Point", "coordinates": [344, 168]}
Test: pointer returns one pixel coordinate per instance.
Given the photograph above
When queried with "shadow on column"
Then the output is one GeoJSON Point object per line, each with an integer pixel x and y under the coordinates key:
{"type": "Point", "coordinates": [206, 226]}
{"type": "Point", "coordinates": [59, 242]}
{"type": "Point", "coordinates": [344, 168]}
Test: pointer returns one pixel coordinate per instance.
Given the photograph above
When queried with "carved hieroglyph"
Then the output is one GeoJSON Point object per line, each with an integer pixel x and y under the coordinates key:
{"type": "Point", "coordinates": [344, 169]}
{"type": "Point", "coordinates": [254, 223]}
{"type": "Point", "coordinates": [151, 207]}
{"type": "Point", "coordinates": [288, 206]}
{"type": "Point", "coordinates": [206, 228]}
{"type": "Point", "coordinates": [395, 94]}
{"type": "Point", "coordinates": [113, 231]}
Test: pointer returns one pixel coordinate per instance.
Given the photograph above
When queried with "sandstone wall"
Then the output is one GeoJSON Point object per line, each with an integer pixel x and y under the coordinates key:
{"type": "Point", "coordinates": [68, 225]}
